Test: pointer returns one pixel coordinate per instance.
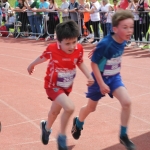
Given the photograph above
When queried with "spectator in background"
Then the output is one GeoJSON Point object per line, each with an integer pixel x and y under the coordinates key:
{"type": "Point", "coordinates": [132, 7]}
{"type": "Point", "coordinates": [144, 20]}
{"type": "Point", "coordinates": [11, 20]}
{"type": "Point", "coordinates": [37, 16]}
{"type": "Point", "coordinates": [5, 8]}
{"type": "Point", "coordinates": [103, 18]}
{"type": "Point", "coordinates": [0, 14]}
{"type": "Point", "coordinates": [17, 13]}
{"type": "Point", "coordinates": [109, 19]}
{"type": "Point", "coordinates": [73, 14]}
{"type": "Point", "coordinates": [115, 2]}
{"type": "Point", "coordinates": [22, 15]}
{"type": "Point", "coordinates": [72, 9]}
{"type": "Point", "coordinates": [81, 10]}
{"type": "Point", "coordinates": [123, 4]}
{"type": "Point", "coordinates": [16, 3]}
{"type": "Point", "coordinates": [87, 19]}
{"type": "Point", "coordinates": [31, 18]}
{"type": "Point", "coordinates": [64, 6]}
{"type": "Point", "coordinates": [39, 9]}
{"type": "Point", "coordinates": [95, 19]}
{"type": "Point", "coordinates": [53, 19]}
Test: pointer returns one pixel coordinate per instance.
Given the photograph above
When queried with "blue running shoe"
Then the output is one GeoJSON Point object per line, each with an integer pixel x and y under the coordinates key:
{"type": "Point", "coordinates": [45, 134]}
{"type": "Point", "coordinates": [61, 141]}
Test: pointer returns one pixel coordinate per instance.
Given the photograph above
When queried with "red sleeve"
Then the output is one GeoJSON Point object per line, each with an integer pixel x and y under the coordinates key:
{"type": "Point", "coordinates": [145, 5]}
{"type": "Point", "coordinates": [46, 53]}
{"type": "Point", "coordinates": [123, 4]}
{"type": "Point", "coordinates": [80, 59]}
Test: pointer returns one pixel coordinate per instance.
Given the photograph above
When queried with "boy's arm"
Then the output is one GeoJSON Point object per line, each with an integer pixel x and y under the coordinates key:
{"type": "Point", "coordinates": [103, 87]}
{"type": "Point", "coordinates": [97, 73]}
{"type": "Point", "coordinates": [86, 72]}
{"type": "Point", "coordinates": [37, 61]}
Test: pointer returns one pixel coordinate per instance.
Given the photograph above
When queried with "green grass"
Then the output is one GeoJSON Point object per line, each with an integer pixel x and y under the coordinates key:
{"type": "Point", "coordinates": [12, 2]}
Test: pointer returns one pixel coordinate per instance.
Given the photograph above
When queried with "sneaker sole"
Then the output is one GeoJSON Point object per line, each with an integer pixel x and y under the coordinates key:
{"type": "Point", "coordinates": [74, 120]}
{"type": "Point", "coordinates": [126, 146]}
{"type": "Point", "coordinates": [0, 126]}
{"type": "Point", "coordinates": [41, 131]}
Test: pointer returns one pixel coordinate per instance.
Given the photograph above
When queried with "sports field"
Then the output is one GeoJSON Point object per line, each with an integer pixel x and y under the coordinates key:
{"type": "Point", "coordinates": [23, 101]}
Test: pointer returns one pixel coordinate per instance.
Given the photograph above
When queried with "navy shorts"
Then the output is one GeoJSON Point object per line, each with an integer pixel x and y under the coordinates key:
{"type": "Point", "coordinates": [113, 82]}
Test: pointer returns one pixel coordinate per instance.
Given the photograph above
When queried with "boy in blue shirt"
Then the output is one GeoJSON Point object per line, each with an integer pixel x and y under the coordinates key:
{"type": "Point", "coordinates": [106, 65]}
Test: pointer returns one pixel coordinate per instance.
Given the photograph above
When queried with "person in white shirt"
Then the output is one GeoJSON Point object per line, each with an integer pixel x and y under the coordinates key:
{"type": "Point", "coordinates": [5, 8]}
{"type": "Point", "coordinates": [109, 19]}
{"type": "Point", "coordinates": [104, 9]}
{"type": "Point", "coordinates": [30, 15]}
{"type": "Point", "coordinates": [64, 6]}
{"type": "Point", "coordinates": [95, 18]}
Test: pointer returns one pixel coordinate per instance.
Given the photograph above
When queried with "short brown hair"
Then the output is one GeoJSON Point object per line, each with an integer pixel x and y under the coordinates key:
{"type": "Point", "coordinates": [67, 30]}
{"type": "Point", "coordinates": [121, 15]}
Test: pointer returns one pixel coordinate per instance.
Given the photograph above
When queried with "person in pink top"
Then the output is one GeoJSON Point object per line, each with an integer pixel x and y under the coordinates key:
{"type": "Point", "coordinates": [124, 4]}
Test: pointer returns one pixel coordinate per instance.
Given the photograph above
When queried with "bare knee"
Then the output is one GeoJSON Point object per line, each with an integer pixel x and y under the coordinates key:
{"type": "Point", "coordinates": [70, 109]}
{"type": "Point", "coordinates": [126, 105]}
{"type": "Point", "coordinates": [91, 108]}
{"type": "Point", "coordinates": [53, 113]}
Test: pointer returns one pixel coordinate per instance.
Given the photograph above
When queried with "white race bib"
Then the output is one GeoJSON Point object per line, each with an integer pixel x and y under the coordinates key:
{"type": "Point", "coordinates": [65, 79]}
{"type": "Point", "coordinates": [112, 66]}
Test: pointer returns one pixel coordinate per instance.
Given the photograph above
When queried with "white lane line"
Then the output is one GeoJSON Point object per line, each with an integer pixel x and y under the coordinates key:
{"type": "Point", "coordinates": [42, 49]}
{"type": "Point", "coordinates": [148, 122]}
{"type": "Point", "coordinates": [73, 92]}
{"type": "Point", "coordinates": [19, 113]}
{"type": "Point", "coordinates": [16, 57]}
{"type": "Point", "coordinates": [22, 49]}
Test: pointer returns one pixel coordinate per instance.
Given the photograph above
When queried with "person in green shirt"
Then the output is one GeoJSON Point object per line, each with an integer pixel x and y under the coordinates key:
{"type": "Point", "coordinates": [17, 13]}
{"type": "Point", "coordinates": [38, 17]}
{"type": "Point", "coordinates": [16, 3]}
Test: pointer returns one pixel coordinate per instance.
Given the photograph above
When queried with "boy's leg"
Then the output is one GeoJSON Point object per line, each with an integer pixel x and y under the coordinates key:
{"type": "Point", "coordinates": [87, 109]}
{"type": "Point", "coordinates": [84, 112]}
{"type": "Point", "coordinates": [122, 95]}
{"type": "Point", "coordinates": [52, 115]}
{"type": "Point", "coordinates": [64, 101]}
{"type": "Point", "coordinates": [46, 125]}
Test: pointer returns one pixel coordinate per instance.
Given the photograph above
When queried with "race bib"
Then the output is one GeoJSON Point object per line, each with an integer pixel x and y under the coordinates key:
{"type": "Point", "coordinates": [112, 67]}
{"type": "Point", "coordinates": [65, 79]}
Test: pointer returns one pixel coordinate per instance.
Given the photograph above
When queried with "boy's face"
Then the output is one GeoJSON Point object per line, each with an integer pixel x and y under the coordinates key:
{"type": "Point", "coordinates": [125, 29]}
{"type": "Point", "coordinates": [68, 45]}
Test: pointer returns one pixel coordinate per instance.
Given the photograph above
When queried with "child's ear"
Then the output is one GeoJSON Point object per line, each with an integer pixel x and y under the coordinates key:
{"type": "Point", "coordinates": [58, 42]}
{"type": "Point", "coordinates": [115, 29]}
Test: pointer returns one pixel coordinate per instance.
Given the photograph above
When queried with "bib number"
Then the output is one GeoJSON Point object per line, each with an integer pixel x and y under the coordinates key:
{"type": "Point", "coordinates": [112, 67]}
{"type": "Point", "coordinates": [65, 79]}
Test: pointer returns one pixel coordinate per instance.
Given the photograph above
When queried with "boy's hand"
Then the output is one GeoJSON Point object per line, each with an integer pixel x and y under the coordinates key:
{"type": "Point", "coordinates": [90, 81]}
{"type": "Point", "coordinates": [30, 69]}
{"type": "Point", "coordinates": [104, 88]}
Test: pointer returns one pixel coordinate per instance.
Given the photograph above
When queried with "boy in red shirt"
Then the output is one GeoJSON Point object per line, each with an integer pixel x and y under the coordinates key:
{"type": "Point", "coordinates": [63, 57]}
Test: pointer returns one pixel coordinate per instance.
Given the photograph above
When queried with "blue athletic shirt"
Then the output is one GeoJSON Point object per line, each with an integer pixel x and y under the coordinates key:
{"type": "Point", "coordinates": [107, 49]}
{"type": "Point", "coordinates": [45, 5]}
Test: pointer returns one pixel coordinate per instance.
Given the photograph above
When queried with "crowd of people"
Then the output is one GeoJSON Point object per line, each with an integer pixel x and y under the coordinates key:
{"type": "Point", "coordinates": [44, 15]}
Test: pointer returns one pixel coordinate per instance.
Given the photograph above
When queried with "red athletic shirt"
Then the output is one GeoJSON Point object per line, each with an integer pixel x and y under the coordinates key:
{"type": "Point", "coordinates": [61, 69]}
